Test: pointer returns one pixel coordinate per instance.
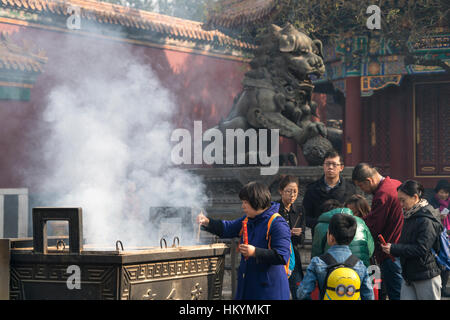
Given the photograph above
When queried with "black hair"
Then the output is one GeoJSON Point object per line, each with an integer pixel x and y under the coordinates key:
{"type": "Point", "coordinates": [257, 194]}
{"type": "Point", "coordinates": [333, 154]}
{"type": "Point", "coordinates": [442, 184]}
{"type": "Point", "coordinates": [362, 207]}
{"type": "Point", "coordinates": [285, 180]}
{"type": "Point", "coordinates": [330, 204]}
{"type": "Point", "coordinates": [412, 187]}
{"type": "Point", "coordinates": [363, 171]}
{"type": "Point", "coordinates": [343, 228]}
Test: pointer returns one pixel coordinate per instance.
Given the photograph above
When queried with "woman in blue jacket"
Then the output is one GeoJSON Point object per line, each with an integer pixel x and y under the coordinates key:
{"type": "Point", "coordinates": [262, 274]}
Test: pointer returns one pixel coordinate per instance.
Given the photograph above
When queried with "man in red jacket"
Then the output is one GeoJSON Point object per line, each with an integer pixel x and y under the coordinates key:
{"type": "Point", "coordinates": [385, 218]}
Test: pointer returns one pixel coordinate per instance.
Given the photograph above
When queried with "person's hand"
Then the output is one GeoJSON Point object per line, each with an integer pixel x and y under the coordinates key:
{"type": "Point", "coordinates": [296, 231]}
{"type": "Point", "coordinates": [386, 248]}
{"type": "Point", "coordinates": [247, 250]}
{"type": "Point", "coordinates": [202, 220]}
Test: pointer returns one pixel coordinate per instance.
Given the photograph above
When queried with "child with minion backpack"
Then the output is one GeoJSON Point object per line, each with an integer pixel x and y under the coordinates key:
{"type": "Point", "coordinates": [339, 274]}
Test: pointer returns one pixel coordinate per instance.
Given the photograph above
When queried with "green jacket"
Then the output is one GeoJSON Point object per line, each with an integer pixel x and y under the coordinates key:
{"type": "Point", "coordinates": [362, 245]}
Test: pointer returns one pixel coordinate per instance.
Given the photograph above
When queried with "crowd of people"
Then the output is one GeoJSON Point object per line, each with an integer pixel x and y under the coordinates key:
{"type": "Point", "coordinates": [398, 232]}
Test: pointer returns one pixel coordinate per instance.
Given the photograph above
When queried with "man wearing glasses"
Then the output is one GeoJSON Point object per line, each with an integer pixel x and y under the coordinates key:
{"type": "Point", "coordinates": [330, 186]}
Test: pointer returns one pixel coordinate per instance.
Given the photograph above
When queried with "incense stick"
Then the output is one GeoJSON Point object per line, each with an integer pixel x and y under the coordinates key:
{"type": "Point", "coordinates": [296, 221]}
{"type": "Point", "coordinates": [199, 227]}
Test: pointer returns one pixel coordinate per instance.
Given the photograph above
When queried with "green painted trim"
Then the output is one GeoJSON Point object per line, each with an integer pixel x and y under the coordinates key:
{"type": "Point", "coordinates": [14, 93]}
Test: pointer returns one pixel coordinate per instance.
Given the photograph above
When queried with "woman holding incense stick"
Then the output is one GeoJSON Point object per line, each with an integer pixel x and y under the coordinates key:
{"type": "Point", "coordinates": [262, 273]}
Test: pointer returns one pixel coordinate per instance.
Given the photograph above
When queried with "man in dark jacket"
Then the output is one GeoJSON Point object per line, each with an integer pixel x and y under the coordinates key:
{"type": "Point", "coordinates": [330, 186]}
{"type": "Point", "coordinates": [385, 218]}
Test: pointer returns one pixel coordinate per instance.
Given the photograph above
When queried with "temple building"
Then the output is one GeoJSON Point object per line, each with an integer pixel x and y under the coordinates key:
{"type": "Point", "coordinates": [394, 116]}
{"type": "Point", "coordinates": [44, 42]}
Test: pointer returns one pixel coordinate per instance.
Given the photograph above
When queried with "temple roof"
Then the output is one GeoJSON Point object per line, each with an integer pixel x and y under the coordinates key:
{"type": "Point", "coordinates": [233, 13]}
{"type": "Point", "coordinates": [19, 68]}
{"type": "Point", "coordinates": [17, 58]}
{"type": "Point", "coordinates": [107, 13]}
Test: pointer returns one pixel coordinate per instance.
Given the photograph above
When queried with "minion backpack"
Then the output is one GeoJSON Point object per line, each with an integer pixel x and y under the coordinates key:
{"type": "Point", "coordinates": [341, 282]}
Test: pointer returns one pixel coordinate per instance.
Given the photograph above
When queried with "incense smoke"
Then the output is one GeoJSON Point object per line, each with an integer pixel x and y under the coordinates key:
{"type": "Point", "coordinates": [109, 147]}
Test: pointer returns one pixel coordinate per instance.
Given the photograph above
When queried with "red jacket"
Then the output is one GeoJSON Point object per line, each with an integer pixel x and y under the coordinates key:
{"type": "Point", "coordinates": [386, 215]}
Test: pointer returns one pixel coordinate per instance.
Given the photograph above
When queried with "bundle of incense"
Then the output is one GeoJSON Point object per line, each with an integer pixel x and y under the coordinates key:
{"type": "Point", "coordinates": [296, 221]}
{"type": "Point", "coordinates": [199, 227]}
{"type": "Point", "coordinates": [244, 233]}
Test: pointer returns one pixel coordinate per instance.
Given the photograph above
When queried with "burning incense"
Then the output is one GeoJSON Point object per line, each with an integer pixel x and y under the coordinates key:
{"type": "Point", "coordinates": [245, 233]}
{"type": "Point", "coordinates": [199, 227]}
{"type": "Point", "coordinates": [244, 228]}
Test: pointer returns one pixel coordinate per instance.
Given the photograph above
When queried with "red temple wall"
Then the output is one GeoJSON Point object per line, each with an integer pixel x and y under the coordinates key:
{"type": "Point", "coordinates": [202, 87]}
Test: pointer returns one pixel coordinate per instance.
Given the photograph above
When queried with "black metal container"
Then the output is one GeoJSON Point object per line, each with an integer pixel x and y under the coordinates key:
{"type": "Point", "coordinates": [60, 272]}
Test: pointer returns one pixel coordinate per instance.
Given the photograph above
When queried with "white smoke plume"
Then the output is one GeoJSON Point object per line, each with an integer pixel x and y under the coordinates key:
{"type": "Point", "coordinates": [109, 147]}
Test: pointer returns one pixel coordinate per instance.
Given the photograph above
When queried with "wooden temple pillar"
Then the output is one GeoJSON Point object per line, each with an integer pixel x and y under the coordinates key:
{"type": "Point", "coordinates": [352, 146]}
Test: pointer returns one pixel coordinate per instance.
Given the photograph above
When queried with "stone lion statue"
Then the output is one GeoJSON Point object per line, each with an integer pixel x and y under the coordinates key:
{"type": "Point", "coordinates": [277, 93]}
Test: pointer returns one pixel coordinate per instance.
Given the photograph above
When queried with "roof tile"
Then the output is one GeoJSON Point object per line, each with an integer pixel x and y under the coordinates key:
{"type": "Point", "coordinates": [115, 14]}
{"type": "Point", "coordinates": [232, 13]}
{"type": "Point", "coordinates": [14, 57]}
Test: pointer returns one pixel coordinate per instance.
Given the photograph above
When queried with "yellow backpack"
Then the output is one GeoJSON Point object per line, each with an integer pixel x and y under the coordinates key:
{"type": "Point", "coordinates": [342, 282]}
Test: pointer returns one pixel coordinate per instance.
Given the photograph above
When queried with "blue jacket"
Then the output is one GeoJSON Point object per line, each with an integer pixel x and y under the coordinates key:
{"type": "Point", "coordinates": [258, 277]}
{"type": "Point", "coordinates": [317, 271]}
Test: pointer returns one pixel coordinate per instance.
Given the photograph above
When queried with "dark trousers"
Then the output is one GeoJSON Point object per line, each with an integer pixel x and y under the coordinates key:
{"type": "Point", "coordinates": [391, 274]}
{"type": "Point", "coordinates": [294, 281]}
{"type": "Point", "coordinates": [444, 278]}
